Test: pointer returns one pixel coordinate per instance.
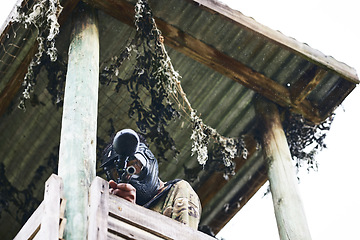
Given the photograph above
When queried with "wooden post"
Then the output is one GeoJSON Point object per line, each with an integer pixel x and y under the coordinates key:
{"type": "Point", "coordinates": [289, 212]}
{"type": "Point", "coordinates": [51, 215]}
{"type": "Point", "coordinates": [77, 156]}
{"type": "Point", "coordinates": [99, 209]}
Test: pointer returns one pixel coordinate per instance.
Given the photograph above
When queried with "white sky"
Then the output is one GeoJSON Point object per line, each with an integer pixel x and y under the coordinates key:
{"type": "Point", "coordinates": [330, 196]}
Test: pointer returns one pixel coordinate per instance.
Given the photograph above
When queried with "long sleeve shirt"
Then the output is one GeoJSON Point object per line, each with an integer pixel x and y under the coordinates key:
{"type": "Point", "coordinates": [180, 203]}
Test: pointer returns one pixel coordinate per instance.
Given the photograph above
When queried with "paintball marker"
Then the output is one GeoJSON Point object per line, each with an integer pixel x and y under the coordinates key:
{"type": "Point", "coordinates": [118, 154]}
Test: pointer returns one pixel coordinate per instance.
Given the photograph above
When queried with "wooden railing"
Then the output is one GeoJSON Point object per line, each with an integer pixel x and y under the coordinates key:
{"type": "Point", "coordinates": [110, 217]}
{"type": "Point", "coordinates": [46, 222]}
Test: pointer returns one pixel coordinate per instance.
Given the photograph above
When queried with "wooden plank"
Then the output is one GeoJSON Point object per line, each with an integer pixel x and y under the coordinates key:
{"type": "Point", "coordinates": [337, 95]}
{"type": "Point", "coordinates": [51, 215]}
{"type": "Point", "coordinates": [32, 225]}
{"type": "Point", "coordinates": [36, 237]}
{"type": "Point", "coordinates": [301, 89]}
{"type": "Point", "coordinates": [62, 208]}
{"type": "Point", "coordinates": [125, 230]}
{"type": "Point", "coordinates": [289, 212]}
{"type": "Point", "coordinates": [62, 218]}
{"type": "Point", "coordinates": [44, 222]}
{"type": "Point", "coordinates": [124, 11]}
{"type": "Point", "coordinates": [150, 221]}
{"type": "Point", "coordinates": [77, 154]}
{"type": "Point", "coordinates": [111, 236]}
{"type": "Point", "coordinates": [62, 226]}
{"type": "Point", "coordinates": [235, 70]}
{"type": "Point", "coordinates": [98, 209]}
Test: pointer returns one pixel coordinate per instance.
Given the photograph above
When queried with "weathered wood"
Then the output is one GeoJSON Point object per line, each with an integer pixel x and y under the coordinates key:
{"type": "Point", "coordinates": [110, 217]}
{"type": "Point", "coordinates": [44, 222]}
{"type": "Point", "coordinates": [123, 11]}
{"type": "Point", "coordinates": [301, 89]}
{"type": "Point", "coordinates": [32, 225]}
{"type": "Point", "coordinates": [289, 212]}
{"type": "Point", "coordinates": [98, 209]}
{"type": "Point", "coordinates": [129, 231]}
{"type": "Point", "coordinates": [62, 219]}
{"type": "Point", "coordinates": [62, 228]}
{"type": "Point", "coordinates": [50, 220]}
{"type": "Point", "coordinates": [112, 236]}
{"type": "Point", "coordinates": [62, 208]}
{"type": "Point", "coordinates": [343, 89]}
{"type": "Point", "coordinates": [149, 221]}
{"type": "Point", "coordinates": [77, 156]}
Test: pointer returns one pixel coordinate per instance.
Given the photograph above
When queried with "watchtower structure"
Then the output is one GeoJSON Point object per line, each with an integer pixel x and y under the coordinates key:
{"type": "Point", "coordinates": [241, 76]}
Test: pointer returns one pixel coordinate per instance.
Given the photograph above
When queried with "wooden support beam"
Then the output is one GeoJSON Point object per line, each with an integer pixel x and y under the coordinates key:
{"type": "Point", "coordinates": [301, 89]}
{"type": "Point", "coordinates": [312, 55]}
{"type": "Point", "coordinates": [213, 58]}
{"type": "Point", "coordinates": [98, 209]}
{"type": "Point", "coordinates": [336, 96]}
{"type": "Point", "coordinates": [289, 212]}
{"type": "Point", "coordinates": [77, 156]}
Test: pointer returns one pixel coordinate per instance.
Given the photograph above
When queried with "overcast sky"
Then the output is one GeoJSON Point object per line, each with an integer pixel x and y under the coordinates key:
{"type": "Point", "coordinates": [330, 196]}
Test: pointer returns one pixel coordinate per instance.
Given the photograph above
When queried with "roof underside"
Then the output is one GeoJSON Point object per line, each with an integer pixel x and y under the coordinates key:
{"type": "Point", "coordinates": [225, 60]}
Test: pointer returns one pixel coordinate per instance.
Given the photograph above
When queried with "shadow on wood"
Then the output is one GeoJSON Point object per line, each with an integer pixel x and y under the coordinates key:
{"type": "Point", "coordinates": [110, 217]}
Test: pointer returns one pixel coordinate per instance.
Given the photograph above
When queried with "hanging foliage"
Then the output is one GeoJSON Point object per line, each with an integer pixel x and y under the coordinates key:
{"type": "Point", "coordinates": [147, 76]}
{"type": "Point", "coordinates": [305, 139]}
{"type": "Point", "coordinates": [155, 73]}
{"type": "Point", "coordinates": [43, 15]}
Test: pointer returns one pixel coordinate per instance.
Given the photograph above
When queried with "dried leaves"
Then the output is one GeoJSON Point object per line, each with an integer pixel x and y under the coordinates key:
{"type": "Point", "coordinates": [43, 16]}
{"type": "Point", "coordinates": [155, 73]}
{"type": "Point", "coordinates": [305, 139]}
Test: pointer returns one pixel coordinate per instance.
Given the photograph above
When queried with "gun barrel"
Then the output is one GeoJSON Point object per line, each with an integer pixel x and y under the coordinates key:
{"type": "Point", "coordinates": [129, 172]}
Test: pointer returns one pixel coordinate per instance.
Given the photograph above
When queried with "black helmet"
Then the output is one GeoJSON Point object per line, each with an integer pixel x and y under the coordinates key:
{"type": "Point", "coordinates": [127, 153]}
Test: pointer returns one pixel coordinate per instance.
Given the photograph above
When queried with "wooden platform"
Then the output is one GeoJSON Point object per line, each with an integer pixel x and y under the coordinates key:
{"type": "Point", "coordinates": [110, 217]}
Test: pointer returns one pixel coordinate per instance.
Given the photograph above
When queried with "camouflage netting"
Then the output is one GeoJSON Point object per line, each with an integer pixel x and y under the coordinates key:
{"type": "Point", "coordinates": [154, 74]}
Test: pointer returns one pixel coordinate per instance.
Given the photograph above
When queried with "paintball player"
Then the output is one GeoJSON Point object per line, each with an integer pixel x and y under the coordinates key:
{"type": "Point", "coordinates": [132, 171]}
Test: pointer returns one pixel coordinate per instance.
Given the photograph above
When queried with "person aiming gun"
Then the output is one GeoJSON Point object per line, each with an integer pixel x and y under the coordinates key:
{"type": "Point", "coordinates": [132, 172]}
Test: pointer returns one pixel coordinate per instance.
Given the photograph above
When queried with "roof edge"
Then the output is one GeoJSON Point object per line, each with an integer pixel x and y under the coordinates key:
{"type": "Point", "coordinates": [303, 49]}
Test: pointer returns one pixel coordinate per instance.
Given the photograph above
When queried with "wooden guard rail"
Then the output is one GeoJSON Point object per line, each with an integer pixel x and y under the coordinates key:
{"type": "Point", "coordinates": [110, 217]}
{"type": "Point", "coordinates": [46, 222]}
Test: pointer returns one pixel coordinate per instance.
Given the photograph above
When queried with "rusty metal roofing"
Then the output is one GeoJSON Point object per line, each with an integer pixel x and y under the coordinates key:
{"type": "Point", "coordinates": [225, 59]}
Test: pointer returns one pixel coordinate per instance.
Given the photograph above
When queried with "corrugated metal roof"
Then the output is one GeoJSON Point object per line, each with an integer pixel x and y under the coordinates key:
{"type": "Point", "coordinates": [225, 60]}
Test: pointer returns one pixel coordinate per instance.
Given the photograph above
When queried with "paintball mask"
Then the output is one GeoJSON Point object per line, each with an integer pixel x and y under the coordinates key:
{"type": "Point", "coordinates": [130, 161]}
